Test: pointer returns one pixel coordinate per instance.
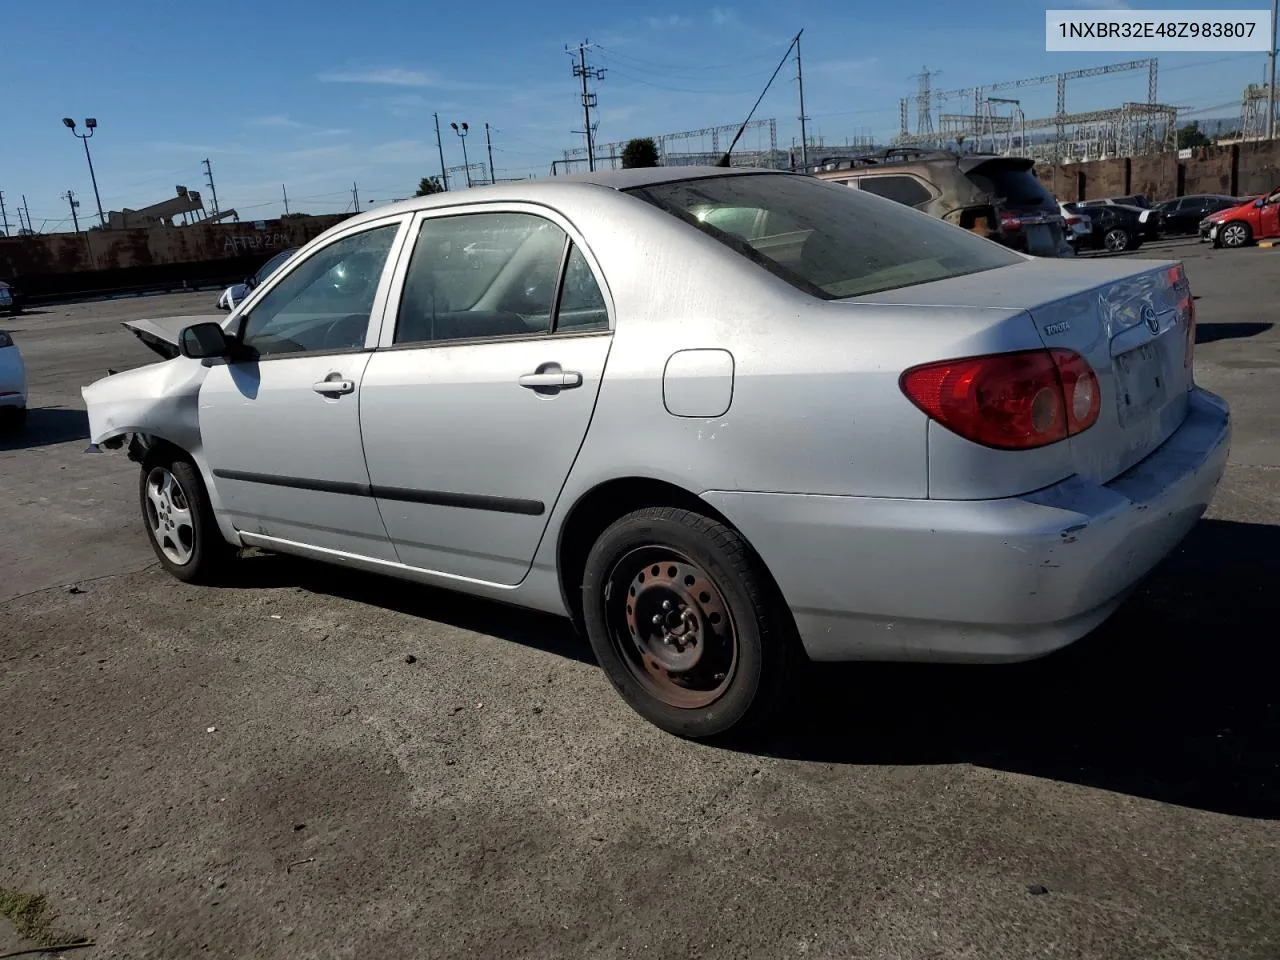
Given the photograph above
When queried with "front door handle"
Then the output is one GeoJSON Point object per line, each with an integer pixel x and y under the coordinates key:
{"type": "Point", "coordinates": [329, 387]}
{"type": "Point", "coordinates": [553, 379]}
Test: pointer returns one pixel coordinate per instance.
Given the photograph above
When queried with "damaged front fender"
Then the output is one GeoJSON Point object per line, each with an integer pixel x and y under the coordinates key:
{"type": "Point", "coordinates": [159, 400]}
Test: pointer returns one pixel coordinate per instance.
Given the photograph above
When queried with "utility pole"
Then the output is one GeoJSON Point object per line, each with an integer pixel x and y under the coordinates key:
{"type": "Point", "coordinates": [444, 174]}
{"type": "Point", "coordinates": [208, 172]}
{"type": "Point", "coordinates": [286, 198]}
{"type": "Point", "coordinates": [355, 195]}
{"type": "Point", "coordinates": [70, 197]}
{"type": "Point", "coordinates": [580, 69]}
{"type": "Point", "coordinates": [489, 143]}
{"type": "Point", "coordinates": [1271, 87]}
{"type": "Point", "coordinates": [27, 209]}
{"type": "Point", "coordinates": [4, 214]}
{"type": "Point", "coordinates": [804, 139]}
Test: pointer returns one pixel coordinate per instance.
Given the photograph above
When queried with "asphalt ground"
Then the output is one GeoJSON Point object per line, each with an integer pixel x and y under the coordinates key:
{"type": "Point", "coordinates": [256, 771]}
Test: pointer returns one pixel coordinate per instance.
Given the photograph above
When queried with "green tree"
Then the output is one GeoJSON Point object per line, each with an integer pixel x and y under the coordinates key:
{"type": "Point", "coordinates": [1192, 136]}
{"type": "Point", "coordinates": [641, 152]}
{"type": "Point", "coordinates": [429, 185]}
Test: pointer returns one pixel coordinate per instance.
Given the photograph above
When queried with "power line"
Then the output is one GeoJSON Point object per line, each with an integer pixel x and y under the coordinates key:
{"type": "Point", "coordinates": [764, 54]}
{"type": "Point", "coordinates": [581, 70]}
{"type": "Point", "coordinates": [70, 197]}
{"type": "Point", "coordinates": [208, 172]}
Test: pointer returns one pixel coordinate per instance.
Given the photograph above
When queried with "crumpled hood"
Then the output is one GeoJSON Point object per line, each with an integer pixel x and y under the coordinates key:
{"type": "Point", "coordinates": [161, 335]}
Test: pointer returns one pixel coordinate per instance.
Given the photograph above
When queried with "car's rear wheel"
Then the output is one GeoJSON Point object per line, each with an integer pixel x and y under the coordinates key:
{"type": "Point", "coordinates": [1235, 235]}
{"type": "Point", "coordinates": [686, 622]}
{"type": "Point", "coordinates": [1116, 240]}
{"type": "Point", "coordinates": [180, 522]}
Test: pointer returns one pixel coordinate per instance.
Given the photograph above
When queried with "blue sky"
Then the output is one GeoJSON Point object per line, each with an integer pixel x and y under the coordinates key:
{"type": "Point", "coordinates": [318, 94]}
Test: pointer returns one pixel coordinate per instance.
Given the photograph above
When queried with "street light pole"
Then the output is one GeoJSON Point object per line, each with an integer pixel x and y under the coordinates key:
{"type": "Point", "coordinates": [91, 124]}
{"type": "Point", "coordinates": [462, 130]}
{"type": "Point", "coordinates": [1271, 87]}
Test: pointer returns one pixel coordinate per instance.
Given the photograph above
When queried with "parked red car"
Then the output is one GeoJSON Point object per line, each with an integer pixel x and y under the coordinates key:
{"type": "Point", "coordinates": [1255, 219]}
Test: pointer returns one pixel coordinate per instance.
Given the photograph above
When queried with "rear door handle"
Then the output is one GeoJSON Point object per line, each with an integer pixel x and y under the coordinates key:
{"type": "Point", "coordinates": [334, 386]}
{"type": "Point", "coordinates": [554, 379]}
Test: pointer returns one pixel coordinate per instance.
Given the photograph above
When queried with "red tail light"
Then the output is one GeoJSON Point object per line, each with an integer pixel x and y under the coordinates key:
{"type": "Point", "coordinates": [1010, 221]}
{"type": "Point", "coordinates": [1072, 221]}
{"type": "Point", "coordinates": [1009, 401]}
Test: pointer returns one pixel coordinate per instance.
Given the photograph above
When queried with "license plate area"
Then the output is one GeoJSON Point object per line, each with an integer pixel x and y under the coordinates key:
{"type": "Point", "coordinates": [1039, 238]}
{"type": "Point", "coordinates": [1141, 382]}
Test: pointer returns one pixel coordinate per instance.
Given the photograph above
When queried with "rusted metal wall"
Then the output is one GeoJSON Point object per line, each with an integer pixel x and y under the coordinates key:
{"type": "Point", "coordinates": [97, 261]}
{"type": "Point", "coordinates": [1237, 170]}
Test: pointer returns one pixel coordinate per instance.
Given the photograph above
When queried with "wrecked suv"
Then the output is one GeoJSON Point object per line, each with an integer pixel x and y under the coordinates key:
{"type": "Point", "coordinates": [997, 197]}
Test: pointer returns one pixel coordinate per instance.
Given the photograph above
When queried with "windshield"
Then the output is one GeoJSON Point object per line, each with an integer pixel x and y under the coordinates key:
{"type": "Point", "coordinates": [824, 238]}
{"type": "Point", "coordinates": [1011, 183]}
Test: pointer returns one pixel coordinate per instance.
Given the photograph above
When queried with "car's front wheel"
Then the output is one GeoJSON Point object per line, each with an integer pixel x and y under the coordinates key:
{"type": "Point", "coordinates": [1116, 240]}
{"type": "Point", "coordinates": [180, 522]}
{"type": "Point", "coordinates": [1235, 235]}
{"type": "Point", "coordinates": [686, 622]}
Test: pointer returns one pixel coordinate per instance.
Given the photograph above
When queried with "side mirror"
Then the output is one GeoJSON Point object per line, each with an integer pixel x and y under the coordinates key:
{"type": "Point", "coordinates": [204, 341]}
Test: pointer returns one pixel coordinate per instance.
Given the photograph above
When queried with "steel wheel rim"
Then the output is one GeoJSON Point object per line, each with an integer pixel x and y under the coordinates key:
{"type": "Point", "coordinates": [1116, 240]}
{"type": "Point", "coordinates": [1233, 236]}
{"type": "Point", "coordinates": [168, 513]}
{"type": "Point", "coordinates": [670, 624]}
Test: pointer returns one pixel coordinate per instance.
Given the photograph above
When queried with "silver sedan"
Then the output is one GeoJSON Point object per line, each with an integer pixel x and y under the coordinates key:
{"type": "Point", "coordinates": [721, 419]}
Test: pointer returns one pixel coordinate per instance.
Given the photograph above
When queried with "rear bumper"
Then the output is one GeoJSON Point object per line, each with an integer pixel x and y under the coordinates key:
{"type": "Point", "coordinates": [981, 581]}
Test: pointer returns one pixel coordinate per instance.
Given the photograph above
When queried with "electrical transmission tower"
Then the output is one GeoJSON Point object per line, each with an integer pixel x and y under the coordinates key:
{"type": "Point", "coordinates": [581, 70]}
{"type": "Point", "coordinates": [924, 101]}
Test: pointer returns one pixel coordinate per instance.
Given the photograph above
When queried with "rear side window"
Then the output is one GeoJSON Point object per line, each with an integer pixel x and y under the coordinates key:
{"type": "Point", "coordinates": [1011, 183]}
{"type": "Point", "coordinates": [824, 238]}
{"type": "Point", "coordinates": [903, 189]}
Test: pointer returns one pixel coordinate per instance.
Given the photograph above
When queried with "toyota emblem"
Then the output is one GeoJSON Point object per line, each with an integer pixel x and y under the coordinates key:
{"type": "Point", "coordinates": [1149, 318]}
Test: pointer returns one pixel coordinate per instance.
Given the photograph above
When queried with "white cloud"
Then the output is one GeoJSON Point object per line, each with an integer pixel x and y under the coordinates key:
{"type": "Point", "coordinates": [663, 23]}
{"type": "Point", "coordinates": [723, 15]}
{"type": "Point", "coordinates": [396, 77]}
{"type": "Point", "coordinates": [278, 121]}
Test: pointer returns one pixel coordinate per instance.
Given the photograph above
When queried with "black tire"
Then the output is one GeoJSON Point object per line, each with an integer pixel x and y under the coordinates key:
{"type": "Point", "coordinates": [207, 553]}
{"type": "Point", "coordinates": [734, 631]}
{"type": "Point", "coordinates": [1235, 235]}
{"type": "Point", "coordinates": [1117, 240]}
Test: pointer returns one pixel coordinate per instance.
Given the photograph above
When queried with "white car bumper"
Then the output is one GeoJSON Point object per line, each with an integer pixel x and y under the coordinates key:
{"type": "Point", "coordinates": [980, 581]}
{"type": "Point", "coordinates": [13, 378]}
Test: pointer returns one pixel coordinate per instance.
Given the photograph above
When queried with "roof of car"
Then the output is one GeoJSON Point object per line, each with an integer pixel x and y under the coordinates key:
{"type": "Point", "coordinates": [545, 187]}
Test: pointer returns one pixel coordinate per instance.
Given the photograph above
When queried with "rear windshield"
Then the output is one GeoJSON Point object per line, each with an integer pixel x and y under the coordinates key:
{"type": "Point", "coordinates": [825, 238]}
{"type": "Point", "coordinates": [1010, 183]}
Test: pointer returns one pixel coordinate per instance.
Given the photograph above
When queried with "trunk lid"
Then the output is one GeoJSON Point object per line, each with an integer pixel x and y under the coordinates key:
{"type": "Point", "coordinates": [1133, 324]}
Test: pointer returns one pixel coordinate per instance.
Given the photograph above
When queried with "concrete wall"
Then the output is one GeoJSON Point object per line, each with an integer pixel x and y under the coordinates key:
{"type": "Point", "coordinates": [106, 260]}
{"type": "Point", "coordinates": [1237, 170]}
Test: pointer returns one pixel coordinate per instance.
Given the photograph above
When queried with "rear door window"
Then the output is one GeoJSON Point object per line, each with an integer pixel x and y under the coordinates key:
{"type": "Point", "coordinates": [825, 239]}
{"type": "Point", "coordinates": [1013, 184]}
{"type": "Point", "coordinates": [905, 190]}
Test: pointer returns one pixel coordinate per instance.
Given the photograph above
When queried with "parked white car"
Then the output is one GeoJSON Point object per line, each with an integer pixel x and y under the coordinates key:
{"type": "Point", "coordinates": [1078, 224]}
{"type": "Point", "coordinates": [13, 385]}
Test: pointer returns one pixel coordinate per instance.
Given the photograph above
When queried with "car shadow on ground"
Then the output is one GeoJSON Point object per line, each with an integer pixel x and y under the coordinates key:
{"type": "Point", "coordinates": [46, 426]}
{"type": "Point", "coordinates": [542, 632]}
{"type": "Point", "coordinates": [1213, 332]}
{"type": "Point", "coordinates": [1174, 699]}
